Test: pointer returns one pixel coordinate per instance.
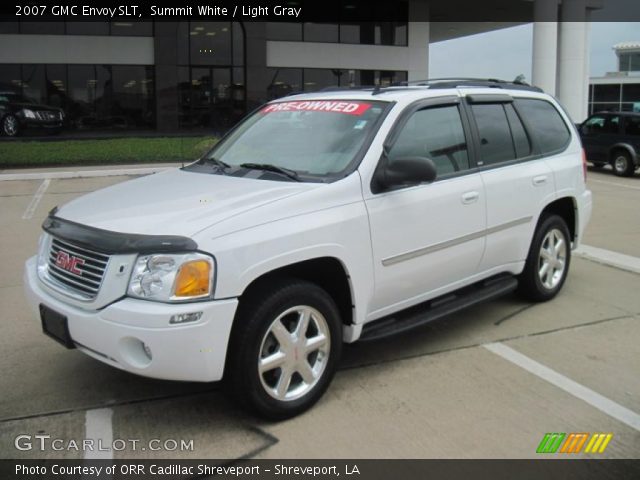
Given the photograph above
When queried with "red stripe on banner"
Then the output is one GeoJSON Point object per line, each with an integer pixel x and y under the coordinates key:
{"type": "Point", "coordinates": [333, 106]}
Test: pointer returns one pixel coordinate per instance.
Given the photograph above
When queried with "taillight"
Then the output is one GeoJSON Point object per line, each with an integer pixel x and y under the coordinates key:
{"type": "Point", "coordinates": [584, 165]}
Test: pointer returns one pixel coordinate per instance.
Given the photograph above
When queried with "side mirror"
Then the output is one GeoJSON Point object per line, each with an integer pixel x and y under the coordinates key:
{"type": "Point", "coordinates": [405, 171]}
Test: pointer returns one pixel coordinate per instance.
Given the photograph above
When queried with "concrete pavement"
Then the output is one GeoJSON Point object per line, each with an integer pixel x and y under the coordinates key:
{"type": "Point", "coordinates": [435, 393]}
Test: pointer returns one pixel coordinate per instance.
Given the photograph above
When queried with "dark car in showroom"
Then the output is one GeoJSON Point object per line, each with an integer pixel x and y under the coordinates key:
{"type": "Point", "coordinates": [613, 138]}
{"type": "Point", "coordinates": [19, 113]}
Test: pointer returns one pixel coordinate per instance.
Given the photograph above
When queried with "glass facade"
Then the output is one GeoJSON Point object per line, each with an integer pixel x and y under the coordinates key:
{"type": "Point", "coordinates": [363, 33]}
{"type": "Point", "coordinates": [200, 75]}
{"type": "Point", "coordinates": [115, 27]}
{"type": "Point", "coordinates": [211, 77]}
{"type": "Point", "coordinates": [285, 81]}
{"type": "Point", "coordinates": [617, 97]}
{"type": "Point", "coordinates": [92, 96]}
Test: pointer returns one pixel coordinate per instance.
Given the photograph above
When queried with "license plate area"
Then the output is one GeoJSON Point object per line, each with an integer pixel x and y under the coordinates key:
{"type": "Point", "coordinates": [55, 325]}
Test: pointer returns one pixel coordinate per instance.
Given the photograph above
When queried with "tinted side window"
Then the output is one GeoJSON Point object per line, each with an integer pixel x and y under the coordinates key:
{"type": "Point", "coordinates": [548, 126]}
{"type": "Point", "coordinates": [496, 144]}
{"type": "Point", "coordinates": [436, 133]}
{"type": "Point", "coordinates": [633, 126]}
{"type": "Point", "coordinates": [519, 134]}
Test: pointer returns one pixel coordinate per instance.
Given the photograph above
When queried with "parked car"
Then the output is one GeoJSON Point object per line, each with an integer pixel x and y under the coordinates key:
{"type": "Point", "coordinates": [321, 219]}
{"type": "Point", "coordinates": [613, 138]}
{"type": "Point", "coordinates": [19, 113]}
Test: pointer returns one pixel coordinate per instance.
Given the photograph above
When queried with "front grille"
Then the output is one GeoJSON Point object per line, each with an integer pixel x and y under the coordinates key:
{"type": "Point", "coordinates": [47, 116]}
{"type": "Point", "coordinates": [76, 268]}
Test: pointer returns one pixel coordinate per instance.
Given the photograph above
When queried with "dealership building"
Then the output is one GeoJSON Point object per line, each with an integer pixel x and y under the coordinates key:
{"type": "Point", "coordinates": [170, 75]}
{"type": "Point", "coordinates": [619, 90]}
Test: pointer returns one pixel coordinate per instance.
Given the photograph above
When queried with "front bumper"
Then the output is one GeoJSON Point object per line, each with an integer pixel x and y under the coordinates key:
{"type": "Point", "coordinates": [115, 334]}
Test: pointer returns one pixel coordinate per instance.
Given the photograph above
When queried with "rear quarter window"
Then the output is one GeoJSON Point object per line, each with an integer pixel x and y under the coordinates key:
{"type": "Point", "coordinates": [546, 124]}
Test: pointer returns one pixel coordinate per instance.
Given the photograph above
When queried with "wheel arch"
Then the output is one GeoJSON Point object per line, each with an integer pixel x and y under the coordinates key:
{"type": "Point", "coordinates": [329, 273]}
{"type": "Point", "coordinates": [567, 209]}
{"type": "Point", "coordinates": [625, 147]}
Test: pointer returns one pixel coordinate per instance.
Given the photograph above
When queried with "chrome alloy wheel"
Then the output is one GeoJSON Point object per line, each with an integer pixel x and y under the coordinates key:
{"type": "Point", "coordinates": [620, 164]}
{"type": "Point", "coordinates": [294, 353]}
{"type": "Point", "coordinates": [552, 260]}
{"type": "Point", "coordinates": [10, 125]}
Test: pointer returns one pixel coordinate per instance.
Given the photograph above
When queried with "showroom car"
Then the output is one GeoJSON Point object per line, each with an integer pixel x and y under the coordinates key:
{"type": "Point", "coordinates": [19, 113]}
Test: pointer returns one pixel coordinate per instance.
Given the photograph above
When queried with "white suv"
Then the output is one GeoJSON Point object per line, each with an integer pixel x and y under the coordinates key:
{"type": "Point", "coordinates": [320, 219]}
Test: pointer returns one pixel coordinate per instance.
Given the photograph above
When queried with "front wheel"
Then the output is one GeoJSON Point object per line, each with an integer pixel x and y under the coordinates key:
{"type": "Point", "coordinates": [285, 348]}
{"type": "Point", "coordinates": [10, 126]}
{"type": "Point", "coordinates": [548, 261]}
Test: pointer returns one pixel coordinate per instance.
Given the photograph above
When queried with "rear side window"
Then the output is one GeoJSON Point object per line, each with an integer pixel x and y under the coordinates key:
{"type": "Point", "coordinates": [496, 143]}
{"type": "Point", "coordinates": [633, 126]}
{"type": "Point", "coordinates": [546, 124]}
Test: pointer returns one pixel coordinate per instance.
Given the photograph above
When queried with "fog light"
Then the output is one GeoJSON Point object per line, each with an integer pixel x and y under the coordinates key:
{"type": "Point", "coordinates": [147, 351]}
{"type": "Point", "coordinates": [185, 318]}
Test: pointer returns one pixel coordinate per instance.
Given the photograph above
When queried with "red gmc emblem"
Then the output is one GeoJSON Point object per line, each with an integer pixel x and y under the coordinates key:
{"type": "Point", "coordinates": [69, 262]}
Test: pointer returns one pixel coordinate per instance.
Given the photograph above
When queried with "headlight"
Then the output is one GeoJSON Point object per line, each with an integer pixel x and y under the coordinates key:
{"type": "Point", "coordinates": [28, 113]}
{"type": "Point", "coordinates": [43, 253]}
{"type": "Point", "coordinates": [168, 277]}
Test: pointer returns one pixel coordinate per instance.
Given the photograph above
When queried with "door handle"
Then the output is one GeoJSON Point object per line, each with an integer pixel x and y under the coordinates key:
{"type": "Point", "coordinates": [539, 180]}
{"type": "Point", "coordinates": [470, 197]}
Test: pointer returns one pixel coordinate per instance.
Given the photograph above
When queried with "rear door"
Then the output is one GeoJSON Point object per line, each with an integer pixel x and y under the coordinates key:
{"type": "Point", "coordinates": [517, 180]}
{"type": "Point", "coordinates": [598, 133]}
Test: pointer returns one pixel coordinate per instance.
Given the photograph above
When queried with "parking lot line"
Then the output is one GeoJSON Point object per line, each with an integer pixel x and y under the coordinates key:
{"type": "Point", "coordinates": [615, 184]}
{"type": "Point", "coordinates": [33, 204]}
{"type": "Point", "coordinates": [98, 427]}
{"type": "Point", "coordinates": [608, 257]}
{"type": "Point", "coordinates": [8, 177]}
{"type": "Point", "coordinates": [594, 399]}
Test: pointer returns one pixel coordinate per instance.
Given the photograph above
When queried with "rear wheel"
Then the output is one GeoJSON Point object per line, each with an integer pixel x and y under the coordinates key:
{"type": "Point", "coordinates": [285, 349]}
{"type": "Point", "coordinates": [548, 260]}
{"type": "Point", "coordinates": [622, 164]}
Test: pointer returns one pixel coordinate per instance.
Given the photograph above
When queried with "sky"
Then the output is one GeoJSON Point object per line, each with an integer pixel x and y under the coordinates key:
{"type": "Point", "coordinates": [507, 53]}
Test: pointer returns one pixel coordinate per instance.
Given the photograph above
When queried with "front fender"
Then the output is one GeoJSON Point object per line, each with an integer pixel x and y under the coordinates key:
{"type": "Point", "coordinates": [341, 232]}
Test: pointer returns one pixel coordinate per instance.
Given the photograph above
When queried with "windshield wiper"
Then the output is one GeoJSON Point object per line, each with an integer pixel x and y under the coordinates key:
{"type": "Point", "coordinates": [222, 166]}
{"type": "Point", "coordinates": [292, 174]}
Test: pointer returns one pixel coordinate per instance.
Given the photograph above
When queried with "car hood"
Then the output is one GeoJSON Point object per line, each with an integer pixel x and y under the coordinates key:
{"type": "Point", "coordinates": [36, 106]}
{"type": "Point", "coordinates": [175, 202]}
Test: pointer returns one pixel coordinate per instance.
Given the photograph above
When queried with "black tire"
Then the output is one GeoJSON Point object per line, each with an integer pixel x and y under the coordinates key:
{"type": "Point", "coordinates": [622, 163]}
{"type": "Point", "coordinates": [532, 284]}
{"type": "Point", "coordinates": [253, 339]}
{"type": "Point", "coordinates": [10, 126]}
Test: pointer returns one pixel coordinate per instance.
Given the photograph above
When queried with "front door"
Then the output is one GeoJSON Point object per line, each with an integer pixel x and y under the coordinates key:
{"type": "Point", "coordinates": [430, 237]}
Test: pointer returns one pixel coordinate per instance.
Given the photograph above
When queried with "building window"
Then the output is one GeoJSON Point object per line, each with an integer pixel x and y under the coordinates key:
{"type": "Point", "coordinates": [42, 28]}
{"type": "Point", "coordinates": [321, 32]}
{"type": "Point", "coordinates": [10, 78]}
{"type": "Point", "coordinates": [283, 81]}
{"type": "Point", "coordinates": [630, 62]}
{"type": "Point", "coordinates": [88, 28]}
{"type": "Point", "coordinates": [210, 43]}
{"type": "Point", "coordinates": [131, 28]}
{"type": "Point", "coordinates": [284, 31]}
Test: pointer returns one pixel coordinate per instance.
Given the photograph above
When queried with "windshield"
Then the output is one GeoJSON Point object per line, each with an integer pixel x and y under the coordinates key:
{"type": "Point", "coordinates": [313, 139]}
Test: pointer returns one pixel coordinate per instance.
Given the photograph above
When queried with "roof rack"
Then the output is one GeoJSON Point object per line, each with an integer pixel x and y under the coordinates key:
{"type": "Point", "coordinates": [454, 82]}
{"type": "Point", "coordinates": [437, 83]}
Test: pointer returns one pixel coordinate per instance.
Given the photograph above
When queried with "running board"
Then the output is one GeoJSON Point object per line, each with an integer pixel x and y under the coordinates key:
{"type": "Point", "coordinates": [438, 307]}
